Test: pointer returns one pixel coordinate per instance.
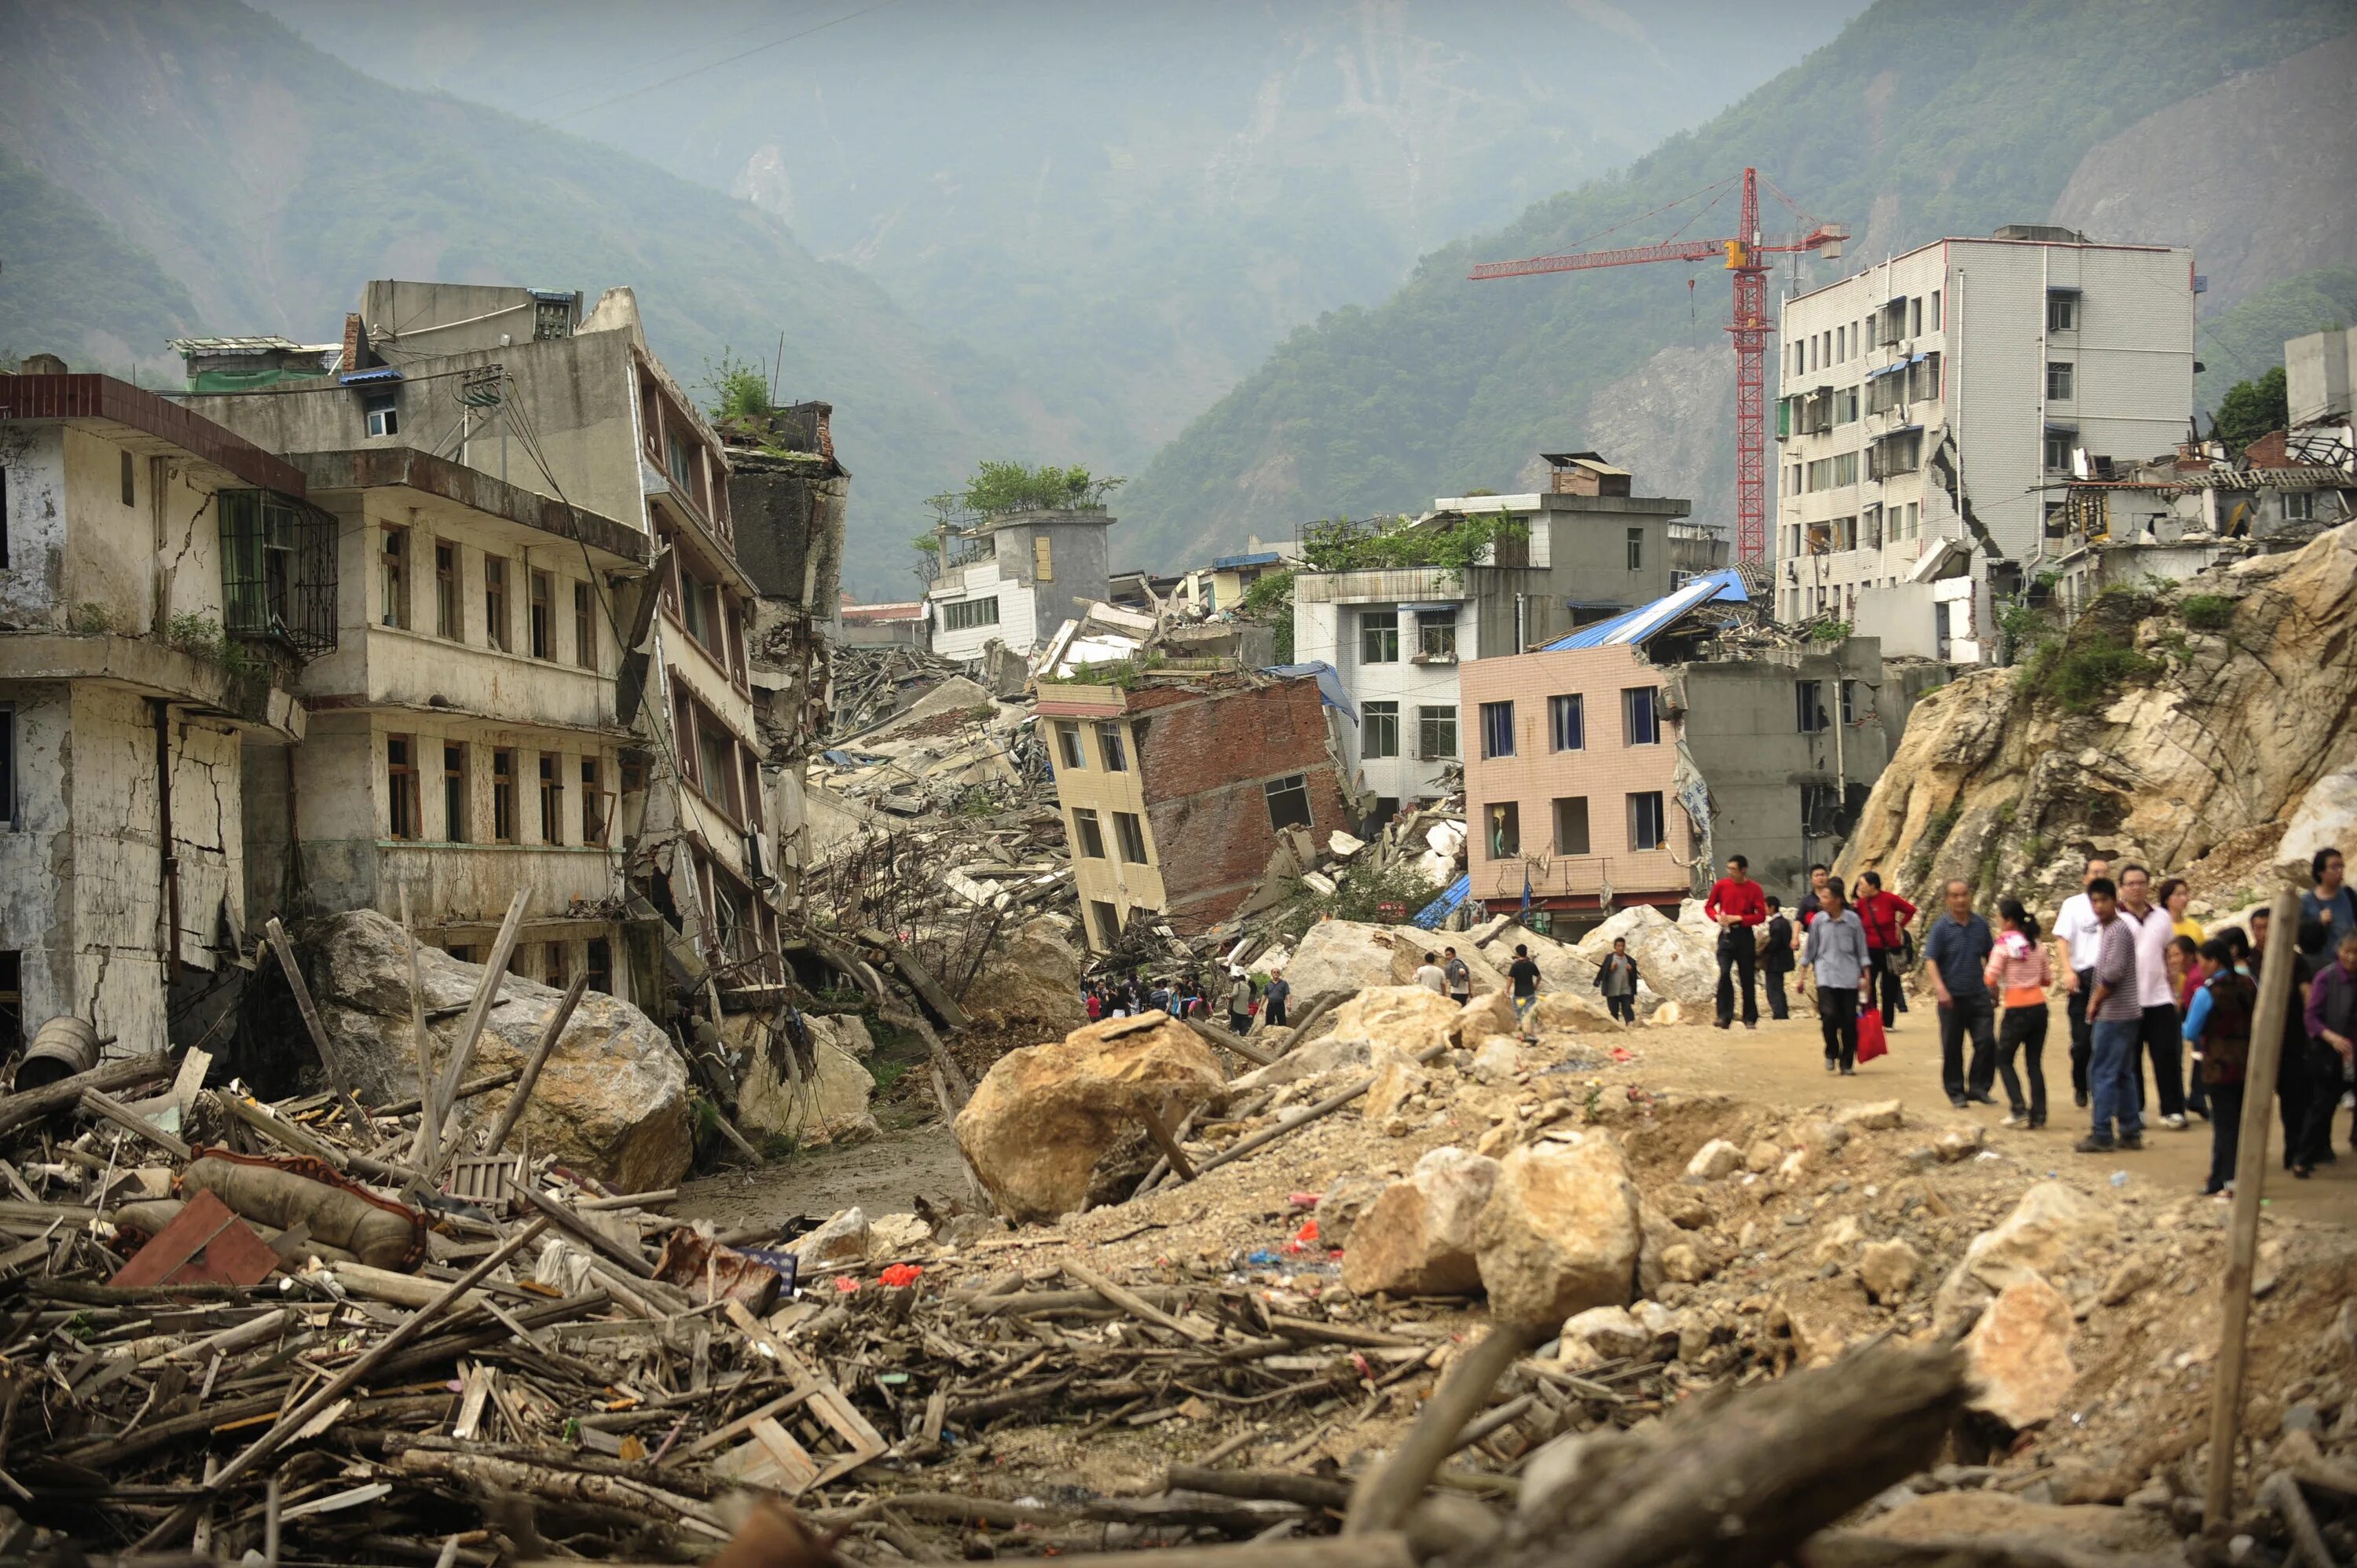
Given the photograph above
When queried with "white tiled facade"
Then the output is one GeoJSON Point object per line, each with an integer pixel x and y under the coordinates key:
{"type": "Point", "coordinates": [1995, 358]}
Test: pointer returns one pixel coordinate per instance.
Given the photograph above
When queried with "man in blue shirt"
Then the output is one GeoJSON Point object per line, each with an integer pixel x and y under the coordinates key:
{"type": "Point", "coordinates": [1958, 949]}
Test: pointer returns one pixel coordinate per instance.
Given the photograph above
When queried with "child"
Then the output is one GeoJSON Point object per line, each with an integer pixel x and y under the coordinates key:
{"type": "Point", "coordinates": [1617, 978]}
{"type": "Point", "coordinates": [2017, 970]}
{"type": "Point", "coordinates": [2217, 1026]}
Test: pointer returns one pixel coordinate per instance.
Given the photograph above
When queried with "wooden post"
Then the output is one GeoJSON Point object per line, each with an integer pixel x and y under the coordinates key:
{"type": "Point", "coordinates": [279, 944]}
{"type": "Point", "coordinates": [531, 1076]}
{"type": "Point", "coordinates": [470, 1028]}
{"type": "Point", "coordinates": [427, 1144]}
{"type": "Point", "coordinates": [2250, 1173]}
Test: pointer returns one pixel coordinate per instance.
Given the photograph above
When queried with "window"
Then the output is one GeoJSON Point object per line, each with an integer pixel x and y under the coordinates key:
{"type": "Point", "coordinates": [2061, 313]}
{"type": "Point", "coordinates": [1043, 558]}
{"type": "Point", "coordinates": [381, 413]}
{"type": "Point", "coordinates": [601, 965]}
{"type": "Point", "coordinates": [2299, 506]}
{"type": "Point", "coordinates": [1378, 637]}
{"type": "Point", "coordinates": [543, 616]}
{"type": "Point", "coordinates": [715, 762]}
{"type": "Point", "coordinates": [401, 787]}
{"type": "Point", "coordinates": [1110, 749]}
{"type": "Point", "coordinates": [552, 798]}
{"type": "Point", "coordinates": [2058, 452]}
{"type": "Point", "coordinates": [1820, 811]}
{"type": "Point", "coordinates": [11, 1002]}
{"type": "Point", "coordinates": [455, 812]}
{"type": "Point", "coordinates": [503, 797]}
{"type": "Point", "coordinates": [130, 480]}
{"type": "Point", "coordinates": [1436, 636]}
{"type": "Point", "coordinates": [1503, 830]}
{"type": "Point", "coordinates": [7, 767]}
{"type": "Point", "coordinates": [1636, 550]}
{"type": "Point", "coordinates": [1914, 518]}
{"type": "Point", "coordinates": [964, 615]}
{"type": "Point", "coordinates": [1923, 379]}
{"type": "Point", "coordinates": [1288, 801]}
{"type": "Point", "coordinates": [1939, 317]}
{"type": "Point", "coordinates": [1845, 405]}
{"type": "Point", "coordinates": [2059, 378]}
{"type": "Point", "coordinates": [1069, 755]}
{"type": "Point", "coordinates": [1130, 835]}
{"type": "Point", "coordinates": [1641, 721]}
{"type": "Point", "coordinates": [585, 626]}
{"type": "Point", "coordinates": [1900, 453]}
{"type": "Point", "coordinates": [1436, 733]}
{"type": "Point", "coordinates": [1091, 836]}
{"type": "Point", "coordinates": [1567, 722]}
{"type": "Point", "coordinates": [495, 602]}
{"type": "Point", "coordinates": [445, 590]}
{"type": "Point", "coordinates": [1915, 317]}
{"type": "Point", "coordinates": [1849, 702]}
{"type": "Point", "coordinates": [1810, 703]}
{"type": "Point", "coordinates": [1497, 729]}
{"type": "Point", "coordinates": [3, 520]}
{"type": "Point", "coordinates": [1571, 824]}
{"type": "Point", "coordinates": [752, 788]}
{"type": "Point", "coordinates": [596, 807]}
{"type": "Point", "coordinates": [1646, 828]}
{"type": "Point", "coordinates": [1379, 731]}
{"type": "Point", "coordinates": [392, 577]}
{"type": "Point", "coordinates": [1107, 920]}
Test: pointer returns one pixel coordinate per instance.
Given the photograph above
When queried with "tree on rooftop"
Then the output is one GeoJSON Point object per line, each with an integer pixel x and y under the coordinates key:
{"type": "Point", "coordinates": [2251, 409]}
{"type": "Point", "coordinates": [998, 488]}
{"type": "Point", "coordinates": [740, 389]}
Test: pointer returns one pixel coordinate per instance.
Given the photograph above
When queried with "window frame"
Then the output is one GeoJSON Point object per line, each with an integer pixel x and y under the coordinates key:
{"type": "Point", "coordinates": [9, 820]}
{"type": "Point", "coordinates": [1129, 838]}
{"type": "Point", "coordinates": [965, 615]}
{"type": "Point", "coordinates": [495, 603]}
{"type": "Point", "coordinates": [1497, 730]}
{"type": "Point", "coordinates": [1285, 789]}
{"type": "Point", "coordinates": [449, 612]}
{"type": "Point", "coordinates": [551, 798]}
{"type": "Point", "coordinates": [130, 479]}
{"type": "Point", "coordinates": [1641, 803]}
{"type": "Point", "coordinates": [1502, 829]}
{"type": "Point", "coordinates": [2061, 313]}
{"type": "Point", "coordinates": [1575, 705]}
{"type": "Point", "coordinates": [540, 614]}
{"type": "Point", "coordinates": [584, 623]}
{"type": "Point", "coordinates": [596, 804]}
{"type": "Point", "coordinates": [1430, 717]}
{"type": "Point", "coordinates": [1380, 718]}
{"type": "Point", "coordinates": [1587, 835]}
{"type": "Point", "coordinates": [1072, 756]}
{"type": "Point", "coordinates": [1636, 545]}
{"type": "Point", "coordinates": [1436, 637]}
{"type": "Point", "coordinates": [393, 574]}
{"type": "Point", "coordinates": [1809, 708]}
{"type": "Point", "coordinates": [504, 824]}
{"type": "Point", "coordinates": [1088, 832]}
{"type": "Point", "coordinates": [402, 802]}
{"type": "Point", "coordinates": [380, 414]}
{"type": "Point", "coordinates": [1651, 696]}
{"type": "Point", "coordinates": [1112, 746]}
{"type": "Point", "coordinates": [458, 825]}
{"type": "Point", "coordinates": [1384, 646]}
{"type": "Point", "coordinates": [2063, 373]}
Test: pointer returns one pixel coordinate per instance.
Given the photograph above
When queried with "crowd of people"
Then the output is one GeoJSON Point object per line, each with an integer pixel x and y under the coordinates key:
{"type": "Point", "coordinates": [2160, 1013]}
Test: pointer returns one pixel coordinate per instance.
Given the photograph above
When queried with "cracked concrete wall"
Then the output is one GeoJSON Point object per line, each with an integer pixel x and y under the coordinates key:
{"type": "Point", "coordinates": [131, 564]}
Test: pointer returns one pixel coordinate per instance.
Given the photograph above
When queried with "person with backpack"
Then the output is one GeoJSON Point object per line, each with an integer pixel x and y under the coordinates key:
{"type": "Point", "coordinates": [2218, 1026]}
{"type": "Point", "coordinates": [2018, 971]}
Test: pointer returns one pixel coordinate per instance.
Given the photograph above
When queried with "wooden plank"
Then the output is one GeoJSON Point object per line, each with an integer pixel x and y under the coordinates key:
{"type": "Point", "coordinates": [279, 944]}
{"type": "Point", "coordinates": [1213, 1035]}
{"type": "Point", "coordinates": [1166, 1142]}
{"type": "Point", "coordinates": [470, 1028]}
{"type": "Point", "coordinates": [564, 1219]}
{"type": "Point", "coordinates": [121, 1115]}
{"type": "Point", "coordinates": [1137, 1306]}
{"type": "Point", "coordinates": [920, 979]}
{"type": "Point", "coordinates": [547, 1043]}
{"type": "Point", "coordinates": [32, 1104]}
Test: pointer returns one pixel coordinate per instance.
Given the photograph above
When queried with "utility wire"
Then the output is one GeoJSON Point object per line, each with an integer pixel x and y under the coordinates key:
{"type": "Point", "coordinates": [727, 60]}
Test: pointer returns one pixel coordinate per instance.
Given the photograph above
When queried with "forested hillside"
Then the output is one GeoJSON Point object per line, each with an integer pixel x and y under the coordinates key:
{"type": "Point", "coordinates": [1922, 119]}
{"type": "Point", "coordinates": [71, 283]}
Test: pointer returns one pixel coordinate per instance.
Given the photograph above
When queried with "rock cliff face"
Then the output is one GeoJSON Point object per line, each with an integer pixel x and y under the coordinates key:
{"type": "Point", "coordinates": [2228, 715]}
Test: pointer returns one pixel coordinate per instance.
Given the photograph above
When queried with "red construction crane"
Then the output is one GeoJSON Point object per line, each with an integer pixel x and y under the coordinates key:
{"type": "Point", "coordinates": [1750, 327]}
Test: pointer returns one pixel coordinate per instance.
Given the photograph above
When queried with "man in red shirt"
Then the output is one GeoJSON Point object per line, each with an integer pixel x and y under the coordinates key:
{"type": "Point", "coordinates": [1885, 916]}
{"type": "Point", "coordinates": [1739, 906]}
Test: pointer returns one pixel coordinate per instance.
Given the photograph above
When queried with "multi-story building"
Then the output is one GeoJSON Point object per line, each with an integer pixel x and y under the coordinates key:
{"type": "Point", "coordinates": [520, 384]}
{"type": "Point", "coordinates": [1617, 765]}
{"type": "Point", "coordinates": [1398, 635]}
{"type": "Point", "coordinates": [463, 743]}
{"type": "Point", "coordinates": [1174, 792]}
{"type": "Point", "coordinates": [1932, 402]}
{"type": "Point", "coordinates": [1015, 579]}
{"type": "Point", "coordinates": [159, 575]}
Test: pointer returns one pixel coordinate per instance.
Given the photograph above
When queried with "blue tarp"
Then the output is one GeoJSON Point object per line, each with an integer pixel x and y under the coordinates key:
{"type": "Point", "coordinates": [1257, 558]}
{"type": "Point", "coordinates": [1432, 914]}
{"type": "Point", "coordinates": [1329, 683]}
{"type": "Point", "coordinates": [360, 378]}
{"type": "Point", "coordinates": [1725, 585]}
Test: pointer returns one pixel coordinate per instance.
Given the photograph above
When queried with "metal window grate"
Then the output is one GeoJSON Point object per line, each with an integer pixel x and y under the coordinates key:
{"type": "Point", "coordinates": [278, 571]}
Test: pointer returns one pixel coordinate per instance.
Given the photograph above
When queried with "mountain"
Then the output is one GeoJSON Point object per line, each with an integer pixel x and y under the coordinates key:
{"type": "Point", "coordinates": [2247, 341]}
{"type": "Point", "coordinates": [71, 284]}
{"type": "Point", "coordinates": [1130, 205]}
{"type": "Point", "coordinates": [1922, 119]}
{"type": "Point", "coordinates": [275, 181]}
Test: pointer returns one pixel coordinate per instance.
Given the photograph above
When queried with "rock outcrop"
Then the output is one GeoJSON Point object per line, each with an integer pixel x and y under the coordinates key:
{"type": "Point", "coordinates": [1044, 1115]}
{"type": "Point", "coordinates": [612, 1097]}
{"type": "Point", "coordinates": [2211, 731]}
{"type": "Point", "coordinates": [815, 1099]}
{"type": "Point", "coordinates": [1029, 982]}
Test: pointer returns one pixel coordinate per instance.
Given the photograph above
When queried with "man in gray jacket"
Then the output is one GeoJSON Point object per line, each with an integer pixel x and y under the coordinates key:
{"type": "Point", "coordinates": [1835, 954]}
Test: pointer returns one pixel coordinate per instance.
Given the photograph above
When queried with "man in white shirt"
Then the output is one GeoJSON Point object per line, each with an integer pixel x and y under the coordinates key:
{"type": "Point", "coordinates": [2076, 934]}
{"type": "Point", "coordinates": [1429, 976]}
{"type": "Point", "coordinates": [2161, 1041]}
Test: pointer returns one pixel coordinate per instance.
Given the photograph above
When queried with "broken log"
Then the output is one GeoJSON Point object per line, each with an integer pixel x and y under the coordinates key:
{"type": "Point", "coordinates": [50, 1098]}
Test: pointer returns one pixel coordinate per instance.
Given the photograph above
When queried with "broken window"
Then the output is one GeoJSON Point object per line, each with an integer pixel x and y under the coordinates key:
{"type": "Point", "coordinates": [392, 577]}
{"type": "Point", "coordinates": [1379, 733]}
{"type": "Point", "coordinates": [503, 797]}
{"type": "Point", "coordinates": [1436, 636]}
{"type": "Point", "coordinates": [2059, 377]}
{"type": "Point", "coordinates": [1497, 729]}
{"type": "Point", "coordinates": [1810, 703]}
{"type": "Point", "coordinates": [963, 614]}
{"type": "Point", "coordinates": [446, 589]}
{"type": "Point", "coordinates": [1436, 733]}
{"type": "Point", "coordinates": [1640, 720]}
{"type": "Point", "coordinates": [1107, 920]}
{"type": "Point", "coordinates": [1378, 637]}
{"type": "Point", "coordinates": [1130, 835]}
{"type": "Point", "coordinates": [597, 806]}
{"type": "Point", "coordinates": [1503, 826]}
{"type": "Point", "coordinates": [1647, 829]}
{"type": "Point", "coordinates": [600, 965]}
{"type": "Point", "coordinates": [1571, 824]}
{"type": "Point", "coordinates": [543, 616]}
{"type": "Point", "coordinates": [585, 626]}
{"type": "Point", "coordinates": [1820, 811]}
{"type": "Point", "coordinates": [1068, 747]}
{"type": "Point", "coordinates": [1087, 834]}
{"type": "Point", "coordinates": [455, 812]}
{"type": "Point", "coordinates": [1288, 802]}
{"type": "Point", "coordinates": [495, 602]}
{"type": "Point", "coordinates": [401, 787]}
{"type": "Point", "coordinates": [752, 788]}
{"type": "Point", "coordinates": [1110, 747]}
{"type": "Point", "coordinates": [1568, 722]}
{"type": "Point", "coordinates": [552, 798]}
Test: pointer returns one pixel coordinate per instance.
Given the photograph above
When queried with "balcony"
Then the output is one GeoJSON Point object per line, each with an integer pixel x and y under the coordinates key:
{"type": "Point", "coordinates": [390, 667]}
{"type": "Point", "coordinates": [457, 881]}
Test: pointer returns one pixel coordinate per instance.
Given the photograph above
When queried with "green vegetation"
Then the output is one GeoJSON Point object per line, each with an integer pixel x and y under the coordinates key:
{"type": "Point", "coordinates": [739, 390]}
{"type": "Point", "coordinates": [90, 619]}
{"type": "Point", "coordinates": [1829, 630]}
{"type": "Point", "coordinates": [200, 637]}
{"type": "Point", "coordinates": [1270, 602]}
{"type": "Point", "coordinates": [2081, 670]}
{"type": "Point", "coordinates": [1000, 487]}
{"type": "Point", "coordinates": [2207, 612]}
{"type": "Point", "coordinates": [1391, 544]}
{"type": "Point", "coordinates": [2244, 343]}
{"type": "Point", "coordinates": [2251, 409]}
{"type": "Point", "coordinates": [1361, 896]}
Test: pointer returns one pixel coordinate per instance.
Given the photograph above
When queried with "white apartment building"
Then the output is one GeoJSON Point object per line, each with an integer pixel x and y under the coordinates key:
{"type": "Point", "coordinates": [1933, 406]}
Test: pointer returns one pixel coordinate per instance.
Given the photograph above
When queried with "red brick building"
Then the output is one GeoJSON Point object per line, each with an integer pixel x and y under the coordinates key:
{"type": "Point", "coordinates": [1173, 793]}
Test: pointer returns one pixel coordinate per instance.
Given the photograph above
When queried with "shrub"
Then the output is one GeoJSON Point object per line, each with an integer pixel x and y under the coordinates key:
{"type": "Point", "coordinates": [2080, 674]}
{"type": "Point", "coordinates": [2207, 612]}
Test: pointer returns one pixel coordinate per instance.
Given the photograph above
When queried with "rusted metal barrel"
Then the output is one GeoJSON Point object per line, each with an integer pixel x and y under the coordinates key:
{"type": "Point", "coordinates": [62, 1048]}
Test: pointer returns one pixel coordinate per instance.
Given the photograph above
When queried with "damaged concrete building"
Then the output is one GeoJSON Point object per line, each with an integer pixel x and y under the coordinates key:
{"type": "Point", "coordinates": [1617, 765]}
{"type": "Point", "coordinates": [1013, 579]}
{"type": "Point", "coordinates": [160, 579]}
{"type": "Point", "coordinates": [1176, 789]}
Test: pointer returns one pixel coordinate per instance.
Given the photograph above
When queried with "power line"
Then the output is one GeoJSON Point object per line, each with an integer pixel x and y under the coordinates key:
{"type": "Point", "coordinates": [726, 59]}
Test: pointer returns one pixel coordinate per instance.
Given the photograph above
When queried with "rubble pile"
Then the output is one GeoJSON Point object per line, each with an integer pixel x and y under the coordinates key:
{"type": "Point", "coordinates": [873, 683]}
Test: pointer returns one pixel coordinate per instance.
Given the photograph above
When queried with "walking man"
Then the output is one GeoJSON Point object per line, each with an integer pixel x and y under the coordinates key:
{"type": "Point", "coordinates": [1429, 975]}
{"type": "Point", "coordinates": [2117, 1019]}
{"type": "Point", "coordinates": [2160, 1038]}
{"type": "Point", "coordinates": [1238, 1002]}
{"type": "Point", "coordinates": [1959, 948]}
{"type": "Point", "coordinates": [1279, 988]}
{"type": "Point", "coordinates": [1524, 974]}
{"type": "Point", "coordinates": [1739, 906]}
{"type": "Point", "coordinates": [1776, 961]}
{"type": "Point", "coordinates": [1459, 976]}
{"type": "Point", "coordinates": [1617, 977]}
{"type": "Point", "coordinates": [2075, 933]}
{"type": "Point", "coordinates": [2328, 911]}
{"type": "Point", "coordinates": [1885, 916]}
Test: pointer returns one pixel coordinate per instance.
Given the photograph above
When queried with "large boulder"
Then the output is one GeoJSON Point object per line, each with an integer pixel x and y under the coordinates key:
{"type": "Point", "coordinates": [1030, 982]}
{"type": "Point", "coordinates": [612, 1097]}
{"type": "Point", "coordinates": [1418, 1238]}
{"type": "Point", "coordinates": [1562, 967]}
{"type": "Point", "coordinates": [814, 1098]}
{"type": "Point", "coordinates": [1574, 1011]}
{"type": "Point", "coordinates": [1339, 957]}
{"type": "Point", "coordinates": [2325, 817]}
{"type": "Point", "coordinates": [1044, 1115]}
{"type": "Point", "coordinates": [1560, 1234]}
{"type": "Point", "coordinates": [1680, 963]}
{"type": "Point", "coordinates": [2019, 1354]}
{"type": "Point", "coordinates": [2052, 1225]}
{"type": "Point", "coordinates": [1410, 1018]}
